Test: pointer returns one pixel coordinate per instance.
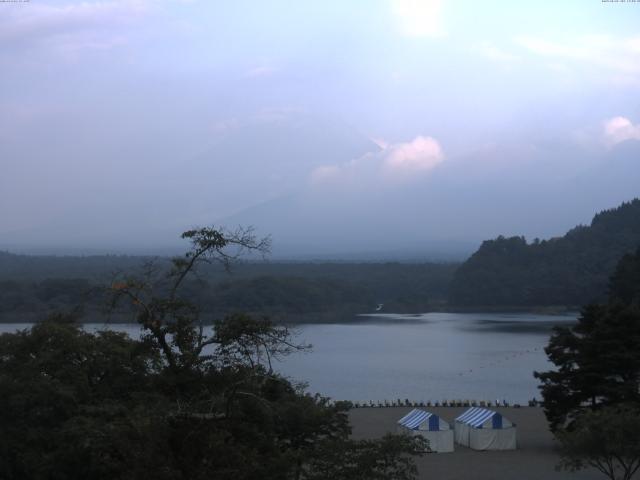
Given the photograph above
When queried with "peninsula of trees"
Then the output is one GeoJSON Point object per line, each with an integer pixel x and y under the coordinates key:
{"type": "Point", "coordinates": [571, 270]}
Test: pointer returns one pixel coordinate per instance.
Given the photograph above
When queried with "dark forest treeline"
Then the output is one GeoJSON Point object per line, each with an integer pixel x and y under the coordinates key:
{"type": "Point", "coordinates": [31, 286]}
{"type": "Point", "coordinates": [504, 273]}
{"type": "Point", "coordinates": [570, 270]}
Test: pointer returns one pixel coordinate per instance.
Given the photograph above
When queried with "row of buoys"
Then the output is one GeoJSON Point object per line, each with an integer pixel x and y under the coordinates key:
{"type": "Point", "coordinates": [444, 403]}
{"type": "Point", "coordinates": [504, 359]}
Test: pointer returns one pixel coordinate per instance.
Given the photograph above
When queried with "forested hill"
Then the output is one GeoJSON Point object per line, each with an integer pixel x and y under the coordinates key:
{"type": "Point", "coordinates": [31, 287]}
{"type": "Point", "coordinates": [570, 270]}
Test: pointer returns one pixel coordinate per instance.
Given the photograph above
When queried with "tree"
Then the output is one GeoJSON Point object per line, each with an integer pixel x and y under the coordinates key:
{"type": "Point", "coordinates": [624, 284]}
{"type": "Point", "coordinates": [388, 458]}
{"type": "Point", "coordinates": [179, 403]}
{"type": "Point", "coordinates": [606, 439]}
{"type": "Point", "coordinates": [170, 321]}
{"type": "Point", "coordinates": [598, 359]}
{"type": "Point", "coordinates": [569, 270]}
{"type": "Point", "coordinates": [592, 399]}
{"type": "Point", "coordinates": [70, 401]}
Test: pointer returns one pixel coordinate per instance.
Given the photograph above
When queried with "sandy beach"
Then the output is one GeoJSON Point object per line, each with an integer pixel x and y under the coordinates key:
{"type": "Point", "coordinates": [534, 459]}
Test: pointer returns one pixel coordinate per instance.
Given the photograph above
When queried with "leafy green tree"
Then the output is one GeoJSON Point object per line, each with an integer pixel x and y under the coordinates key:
{"type": "Point", "coordinates": [170, 321]}
{"type": "Point", "coordinates": [624, 285]}
{"type": "Point", "coordinates": [607, 440]}
{"type": "Point", "coordinates": [388, 458]}
{"type": "Point", "coordinates": [66, 394]}
{"type": "Point", "coordinates": [597, 360]}
{"type": "Point", "coordinates": [180, 403]}
{"type": "Point", "coordinates": [570, 270]}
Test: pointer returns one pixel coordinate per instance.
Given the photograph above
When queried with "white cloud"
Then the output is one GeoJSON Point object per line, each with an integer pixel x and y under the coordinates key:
{"type": "Point", "coordinates": [326, 173]}
{"type": "Point", "coordinates": [69, 27]}
{"type": "Point", "coordinates": [381, 142]}
{"type": "Point", "coordinates": [223, 127]}
{"type": "Point", "coordinates": [360, 172]}
{"type": "Point", "coordinates": [633, 44]}
{"type": "Point", "coordinates": [260, 71]}
{"type": "Point", "coordinates": [419, 18]}
{"type": "Point", "coordinates": [395, 163]}
{"type": "Point", "coordinates": [418, 156]}
{"type": "Point", "coordinates": [620, 129]}
{"type": "Point", "coordinates": [559, 67]}
{"type": "Point", "coordinates": [495, 54]}
{"type": "Point", "coordinates": [291, 116]}
{"type": "Point", "coordinates": [618, 56]}
{"type": "Point", "coordinates": [277, 115]}
{"type": "Point", "coordinates": [544, 47]}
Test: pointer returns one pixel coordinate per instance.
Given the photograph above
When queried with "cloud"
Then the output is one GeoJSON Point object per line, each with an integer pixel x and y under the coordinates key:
{"type": "Point", "coordinates": [620, 129]}
{"type": "Point", "coordinates": [278, 115]}
{"type": "Point", "coordinates": [544, 47]}
{"type": "Point", "coordinates": [326, 173]}
{"type": "Point", "coordinates": [633, 44]}
{"type": "Point", "coordinates": [69, 27]}
{"type": "Point", "coordinates": [260, 71]}
{"type": "Point", "coordinates": [419, 18]}
{"type": "Point", "coordinates": [395, 163]}
{"type": "Point", "coordinates": [495, 54]}
{"type": "Point", "coordinates": [223, 127]}
{"type": "Point", "coordinates": [381, 142]}
{"type": "Point", "coordinates": [618, 56]}
{"type": "Point", "coordinates": [418, 156]}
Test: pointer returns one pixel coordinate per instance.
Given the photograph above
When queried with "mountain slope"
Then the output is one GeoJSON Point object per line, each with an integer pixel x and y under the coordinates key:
{"type": "Point", "coordinates": [570, 270]}
{"type": "Point", "coordinates": [447, 212]}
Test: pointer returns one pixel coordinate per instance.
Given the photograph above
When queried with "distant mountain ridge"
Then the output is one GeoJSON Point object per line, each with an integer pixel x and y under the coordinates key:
{"type": "Point", "coordinates": [570, 270]}
{"type": "Point", "coordinates": [446, 213]}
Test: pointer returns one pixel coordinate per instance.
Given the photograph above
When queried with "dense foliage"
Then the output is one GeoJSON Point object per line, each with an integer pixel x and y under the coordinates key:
{"type": "Point", "coordinates": [31, 286]}
{"type": "Point", "coordinates": [592, 397]}
{"type": "Point", "coordinates": [597, 360]}
{"type": "Point", "coordinates": [179, 403]}
{"type": "Point", "coordinates": [607, 440]}
{"type": "Point", "coordinates": [571, 270]}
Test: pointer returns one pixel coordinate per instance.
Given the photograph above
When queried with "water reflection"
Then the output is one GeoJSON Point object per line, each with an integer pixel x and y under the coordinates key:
{"type": "Point", "coordinates": [434, 356]}
{"type": "Point", "coordinates": [424, 357]}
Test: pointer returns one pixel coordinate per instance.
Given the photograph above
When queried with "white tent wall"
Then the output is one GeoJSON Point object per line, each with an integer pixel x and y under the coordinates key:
{"type": "Point", "coordinates": [483, 429]}
{"type": "Point", "coordinates": [440, 442]}
{"type": "Point", "coordinates": [433, 428]}
{"type": "Point", "coordinates": [462, 433]}
{"type": "Point", "coordinates": [492, 439]}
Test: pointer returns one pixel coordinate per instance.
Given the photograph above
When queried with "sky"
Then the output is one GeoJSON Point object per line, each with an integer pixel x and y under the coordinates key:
{"type": "Point", "coordinates": [335, 126]}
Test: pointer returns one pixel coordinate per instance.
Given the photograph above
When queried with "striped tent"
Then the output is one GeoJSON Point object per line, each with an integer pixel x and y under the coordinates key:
{"type": "Point", "coordinates": [431, 427]}
{"type": "Point", "coordinates": [483, 429]}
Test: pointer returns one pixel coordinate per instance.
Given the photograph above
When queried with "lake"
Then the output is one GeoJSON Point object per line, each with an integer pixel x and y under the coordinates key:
{"type": "Point", "coordinates": [433, 356]}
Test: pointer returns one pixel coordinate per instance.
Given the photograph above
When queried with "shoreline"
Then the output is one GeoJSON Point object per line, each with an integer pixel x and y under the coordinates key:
{"type": "Point", "coordinates": [534, 459]}
{"type": "Point", "coordinates": [338, 318]}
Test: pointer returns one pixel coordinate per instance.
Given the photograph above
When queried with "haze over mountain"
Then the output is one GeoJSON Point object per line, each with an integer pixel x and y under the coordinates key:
{"type": "Point", "coordinates": [450, 209]}
{"type": "Point", "coordinates": [384, 129]}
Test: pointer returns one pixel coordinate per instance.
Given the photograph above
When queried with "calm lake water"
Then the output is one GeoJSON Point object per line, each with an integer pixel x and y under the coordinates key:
{"type": "Point", "coordinates": [434, 356]}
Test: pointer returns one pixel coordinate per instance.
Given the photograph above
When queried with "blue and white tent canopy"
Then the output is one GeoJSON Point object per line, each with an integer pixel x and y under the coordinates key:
{"type": "Point", "coordinates": [483, 429]}
{"type": "Point", "coordinates": [476, 417]}
{"type": "Point", "coordinates": [429, 426]}
{"type": "Point", "coordinates": [420, 420]}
